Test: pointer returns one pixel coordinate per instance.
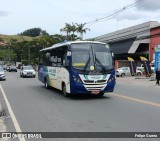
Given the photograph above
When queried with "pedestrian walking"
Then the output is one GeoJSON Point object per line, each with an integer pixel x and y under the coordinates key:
{"type": "Point", "coordinates": [158, 75]}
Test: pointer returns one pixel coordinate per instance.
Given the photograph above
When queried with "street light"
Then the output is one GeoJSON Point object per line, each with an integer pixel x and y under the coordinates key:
{"type": "Point", "coordinates": [29, 52]}
{"type": "Point", "coordinates": [21, 54]}
{"type": "Point", "coordinates": [29, 55]}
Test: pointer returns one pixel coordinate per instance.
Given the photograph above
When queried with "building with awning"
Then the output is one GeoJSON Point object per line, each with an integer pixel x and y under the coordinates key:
{"type": "Point", "coordinates": [135, 41]}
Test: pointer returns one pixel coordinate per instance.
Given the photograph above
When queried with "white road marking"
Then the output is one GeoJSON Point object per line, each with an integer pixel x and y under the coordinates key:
{"type": "Point", "coordinates": [15, 122]}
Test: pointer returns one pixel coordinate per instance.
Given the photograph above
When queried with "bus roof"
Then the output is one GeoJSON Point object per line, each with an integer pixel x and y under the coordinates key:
{"type": "Point", "coordinates": [69, 43]}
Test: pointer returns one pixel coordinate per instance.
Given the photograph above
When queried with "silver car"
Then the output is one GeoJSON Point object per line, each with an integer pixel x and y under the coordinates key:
{"type": "Point", "coordinates": [2, 75]}
{"type": "Point", "coordinates": [125, 71]}
{"type": "Point", "coordinates": [27, 71]}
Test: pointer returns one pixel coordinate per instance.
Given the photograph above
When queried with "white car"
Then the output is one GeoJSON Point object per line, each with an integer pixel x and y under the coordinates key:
{"type": "Point", "coordinates": [142, 68]}
{"type": "Point", "coordinates": [125, 71]}
{"type": "Point", "coordinates": [27, 71]}
{"type": "Point", "coordinates": [2, 75]}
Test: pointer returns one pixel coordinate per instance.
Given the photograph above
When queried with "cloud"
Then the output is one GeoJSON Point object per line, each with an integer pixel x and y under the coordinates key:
{"type": "Point", "coordinates": [149, 5]}
{"type": "Point", "coordinates": [3, 13]}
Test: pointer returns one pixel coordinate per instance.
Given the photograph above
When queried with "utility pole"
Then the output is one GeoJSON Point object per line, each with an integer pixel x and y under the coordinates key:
{"type": "Point", "coordinates": [29, 55]}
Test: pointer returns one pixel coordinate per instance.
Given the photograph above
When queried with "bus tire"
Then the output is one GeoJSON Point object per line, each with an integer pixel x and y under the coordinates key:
{"type": "Point", "coordinates": [64, 90]}
{"type": "Point", "coordinates": [46, 84]}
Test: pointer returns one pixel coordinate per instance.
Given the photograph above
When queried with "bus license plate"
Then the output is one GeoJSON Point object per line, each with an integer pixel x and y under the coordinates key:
{"type": "Point", "coordinates": [95, 92]}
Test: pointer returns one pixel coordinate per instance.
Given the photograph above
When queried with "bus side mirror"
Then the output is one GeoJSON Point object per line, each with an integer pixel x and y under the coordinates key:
{"type": "Point", "coordinates": [68, 53]}
{"type": "Point", "coordinates": [66, 63]}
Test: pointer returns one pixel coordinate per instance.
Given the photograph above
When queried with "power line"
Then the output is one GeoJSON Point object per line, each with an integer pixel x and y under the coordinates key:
{"type": "Point", "coordinates": [111, 16]}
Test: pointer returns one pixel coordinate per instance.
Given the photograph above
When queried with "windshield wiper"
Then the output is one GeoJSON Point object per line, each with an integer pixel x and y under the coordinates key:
{"type": "Point", "coordinates": [88, 61]}
{"type": "Point", "coordinates": [99, 62]}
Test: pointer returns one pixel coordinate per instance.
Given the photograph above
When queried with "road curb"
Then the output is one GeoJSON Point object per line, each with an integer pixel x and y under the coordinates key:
{"type": "Point", "coordinates": [3, 128]}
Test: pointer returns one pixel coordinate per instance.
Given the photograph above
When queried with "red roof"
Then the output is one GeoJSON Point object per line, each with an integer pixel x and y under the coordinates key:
{"type": "Point", "coordinates": [2, 44]}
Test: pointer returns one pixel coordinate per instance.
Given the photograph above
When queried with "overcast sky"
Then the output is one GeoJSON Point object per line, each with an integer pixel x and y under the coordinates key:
{"type": "Point", "coordinates": [51, 15]}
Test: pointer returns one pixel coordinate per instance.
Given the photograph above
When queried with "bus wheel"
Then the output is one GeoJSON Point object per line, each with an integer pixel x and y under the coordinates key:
{"type": "Point", "coordinates": [101, 94]}
{"type": "Point", "coordinates": [46, 84]}
{"type": "Point", "coordinates": [64, 90]}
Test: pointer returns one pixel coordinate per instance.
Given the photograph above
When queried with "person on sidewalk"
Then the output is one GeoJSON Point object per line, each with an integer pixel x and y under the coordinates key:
{"type": "Point", "coordinates": [158, 75]}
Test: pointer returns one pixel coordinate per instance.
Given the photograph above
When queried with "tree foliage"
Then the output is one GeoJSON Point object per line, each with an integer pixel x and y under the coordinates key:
{"type": "Point", "coordinates": [1, 40]}
{"type": "Point", "coordinates": [28, 51]}
{"type": "Point", "coordinates": [33, 32]}
{"type": "Point", "coordinates": [70, 29]}
{"type": "Point", "coordinates": [7, 55]}
{"type": "Point", "coordinates": [81, 29]}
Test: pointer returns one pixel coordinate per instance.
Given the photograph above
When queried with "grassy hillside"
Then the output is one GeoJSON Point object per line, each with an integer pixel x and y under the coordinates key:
{"type": "Point", "coordinates": [19, 38]}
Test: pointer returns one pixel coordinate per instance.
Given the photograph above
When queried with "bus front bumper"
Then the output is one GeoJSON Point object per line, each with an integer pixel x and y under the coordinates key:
{"type": "Point", "coordinates": [79, 88]}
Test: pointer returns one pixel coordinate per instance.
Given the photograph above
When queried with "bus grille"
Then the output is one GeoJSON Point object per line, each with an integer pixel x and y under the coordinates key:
{"type": "Point", "coordinates": [88, 81]}
{"type": "Point", "coordinates": [91, 85]}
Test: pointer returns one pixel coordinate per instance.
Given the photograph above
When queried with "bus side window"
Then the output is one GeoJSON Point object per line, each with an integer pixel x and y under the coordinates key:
{"type": "Point", "coordinates": [53, 58]}
{"type": "Point", "coordinates": [65, 60]}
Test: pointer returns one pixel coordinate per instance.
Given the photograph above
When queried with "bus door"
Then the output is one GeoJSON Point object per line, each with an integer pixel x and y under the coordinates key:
{"type": "Point", "coordinates": [59, 78]}
{"type": "Point", "coordinates": [52, 75]}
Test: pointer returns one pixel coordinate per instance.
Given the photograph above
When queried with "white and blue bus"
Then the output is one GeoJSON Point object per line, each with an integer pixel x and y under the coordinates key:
{"type": "Point", "coordinates": [79, 67]}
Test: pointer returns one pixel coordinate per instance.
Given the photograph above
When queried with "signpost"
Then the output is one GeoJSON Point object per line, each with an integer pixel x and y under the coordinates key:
{"type": "Point", "coordinates": [132, 66]}
{"type": "Point", "coordinates": [157, 57]}
{"type": "Point", "coordinates": [146, 65]}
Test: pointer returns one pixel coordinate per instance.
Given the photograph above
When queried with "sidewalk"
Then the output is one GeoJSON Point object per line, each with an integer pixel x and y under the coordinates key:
{"type": "Point", "coordinates": [2, 124]}
{"type": "Point", "coordinates": [141, 81]}
{"type": "Point", "coordinates": [2, 128]}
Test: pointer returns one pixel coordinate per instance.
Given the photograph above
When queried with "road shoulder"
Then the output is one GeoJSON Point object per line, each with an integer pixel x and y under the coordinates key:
{"type": "Point", "coordinates": [6, 123]}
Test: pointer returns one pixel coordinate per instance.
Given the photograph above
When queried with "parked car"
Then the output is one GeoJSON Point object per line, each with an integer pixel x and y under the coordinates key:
{"type": "Point", "coordinates": [141, 68]}
{"type": "Point", "coordinates": [125, 71]}
{"type": "Point", "coordinates": [27, 71]}
{"type": "Point", "coordinates": [4, 67]}
{"type": "Point", "coordinates": [12, 68]}
{"type": "Point", "coordinates": [7, 68]}
{"type": "Point", "coordinates": [2, 75]}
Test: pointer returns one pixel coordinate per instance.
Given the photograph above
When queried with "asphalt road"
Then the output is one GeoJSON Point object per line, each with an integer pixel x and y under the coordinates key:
{"type": "Point", "coordinates": [130, 108]}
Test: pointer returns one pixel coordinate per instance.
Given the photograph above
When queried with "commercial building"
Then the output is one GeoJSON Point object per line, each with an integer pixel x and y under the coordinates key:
{"type": "Point", "coordinates": [135, 41]}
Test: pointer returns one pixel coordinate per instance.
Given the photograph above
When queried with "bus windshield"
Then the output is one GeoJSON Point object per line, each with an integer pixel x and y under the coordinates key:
{"type": "Point", "coordinates": [86, 55]}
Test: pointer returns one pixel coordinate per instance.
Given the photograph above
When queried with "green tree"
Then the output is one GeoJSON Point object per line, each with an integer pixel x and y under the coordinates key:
{"type": "Point", "coordinates": [57, 38]}
{"type": "Point", "coordinates": [44, 33]}
{"type": "Point", "coordinates": [33, 32]}
{"type": "Point", "coordinates": [17, 48]}
{"type": "Point", "coordinates": [70, 30]}
{"type": "Point", "coordinates": [67, 29]}
{"type": "Point", "coordinates": [7, 55]}
{"type": "Point", "coordinates": [81, 29]}
{"type": "Point", "coordinates": [1, 40]}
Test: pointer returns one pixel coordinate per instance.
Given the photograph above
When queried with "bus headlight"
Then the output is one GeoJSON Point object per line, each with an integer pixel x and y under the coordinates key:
{"type": "Point", "coordinates": [76, 79]}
